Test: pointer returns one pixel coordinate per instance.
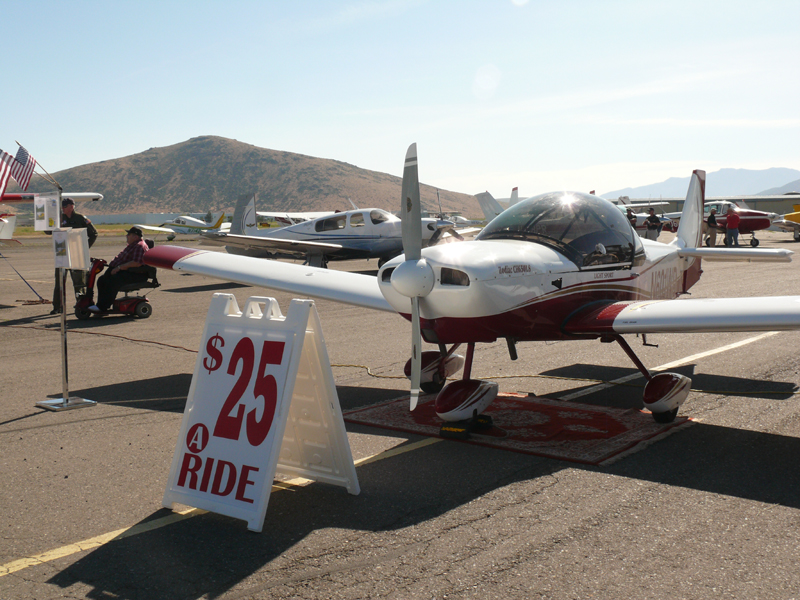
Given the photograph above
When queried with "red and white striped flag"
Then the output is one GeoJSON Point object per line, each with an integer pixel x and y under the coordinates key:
{"type": "Point", "coordinates": [6, 160]}
{"type": "Point", "coordinates": [23, 167]}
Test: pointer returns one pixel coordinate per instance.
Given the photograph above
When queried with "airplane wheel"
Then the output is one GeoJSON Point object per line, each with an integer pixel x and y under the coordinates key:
{"type": "Point", "coordinates": [725, 241]}
{"type": "Point", "coordinates": [143, 310]}
{"type": "Point", "coordinates": [754, 243]}
{"type": "Point", "coordinates": [665, 417]}
{"type": "Point", "coordinates": [708, 242]}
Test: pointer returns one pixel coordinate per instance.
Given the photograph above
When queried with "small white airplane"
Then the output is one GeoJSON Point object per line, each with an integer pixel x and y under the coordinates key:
{"type": "Point", "coordinates": [8, 221]}
{"type": "Point", "coordinates": [557, 266]}
{"type": "Point", "coordinates": [790, 222]}
{"type": "Point", "coordinates": [361, 233]}
{"type": "Point", "coordinates": [185, 224]}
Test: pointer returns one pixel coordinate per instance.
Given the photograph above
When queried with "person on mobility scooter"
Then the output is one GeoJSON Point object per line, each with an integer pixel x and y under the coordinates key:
{"type": "Point", "coordinates": [127, 272]}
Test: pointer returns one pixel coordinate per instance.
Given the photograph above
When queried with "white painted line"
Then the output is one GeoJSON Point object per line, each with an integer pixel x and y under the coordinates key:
{"type": "Point", "coordinates": [680, 362]}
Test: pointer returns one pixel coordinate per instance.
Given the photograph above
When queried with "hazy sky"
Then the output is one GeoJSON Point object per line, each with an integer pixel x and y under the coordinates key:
{"type": "Point", "coordinates": [543, 95]}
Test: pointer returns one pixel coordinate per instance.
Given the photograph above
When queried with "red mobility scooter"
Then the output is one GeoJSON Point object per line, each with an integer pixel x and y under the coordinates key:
{"type": "Point", "coordinates": [126, 305]}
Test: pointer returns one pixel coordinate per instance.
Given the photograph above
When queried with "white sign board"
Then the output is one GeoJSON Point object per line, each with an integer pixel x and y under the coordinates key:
{"type": "Point", "coordinates": [71, 248]}
{"type": "Point", "coordinates": [46, 212]}
{"type": "Point", "coordinates": [262, 400]}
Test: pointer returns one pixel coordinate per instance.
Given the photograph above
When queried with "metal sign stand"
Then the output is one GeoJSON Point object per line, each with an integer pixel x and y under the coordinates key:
{"type": "Point", "coordinates": [65, 402]}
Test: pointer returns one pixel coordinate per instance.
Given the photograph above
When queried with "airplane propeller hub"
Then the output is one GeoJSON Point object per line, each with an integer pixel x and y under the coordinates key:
{"type": "Point", "coordinates": [413, 278]}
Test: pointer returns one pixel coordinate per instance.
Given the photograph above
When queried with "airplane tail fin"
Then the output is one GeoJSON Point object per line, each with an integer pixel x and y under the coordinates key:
{"type": "Point", "coordinates": [219, 221]}
{"type": "Point", "coordinates": [514, 197]}
{"type": "Point", "coordinates": [625, 200]}
{"type": "Point", "coordinates": [690, 230]}
{"type": "Point", "coordinates": [244, 220]}
{"type": "Point", "coordinates": [489, 205]}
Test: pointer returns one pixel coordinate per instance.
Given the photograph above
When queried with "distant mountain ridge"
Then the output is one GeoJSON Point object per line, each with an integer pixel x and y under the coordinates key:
{"type": "Point", "coordinates": [725, 182]}
{"type": "Point", "coordinates": [210, 172]}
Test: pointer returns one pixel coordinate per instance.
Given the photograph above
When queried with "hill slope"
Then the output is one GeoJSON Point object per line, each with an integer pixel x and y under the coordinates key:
{"type": "Point", "coordinates": [210, 172]}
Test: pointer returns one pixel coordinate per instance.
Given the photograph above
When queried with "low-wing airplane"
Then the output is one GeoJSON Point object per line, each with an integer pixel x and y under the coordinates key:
{"type": "Point", "coordinates": [557, 266]}
{"type": "Point", "coordinates": [186, 224]}
{"type": "Point", "coordinates": [790, 222]}
{"type": "Point", "coordinates": [8, 221]}
{"type": "Point", "coordinates": [362, 233]}
{"type": "Point", "coordinates": [751, 220]}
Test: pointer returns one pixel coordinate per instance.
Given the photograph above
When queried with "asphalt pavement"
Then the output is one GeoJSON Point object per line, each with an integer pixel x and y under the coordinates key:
{"type": "Point", "coordinates": [710, 511]}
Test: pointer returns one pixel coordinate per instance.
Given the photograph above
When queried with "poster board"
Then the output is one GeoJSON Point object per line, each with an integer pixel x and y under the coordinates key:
{"type": "Point", "coordinates": [46, 212]}
{"type": "Point", "coordinates": [262, 399]}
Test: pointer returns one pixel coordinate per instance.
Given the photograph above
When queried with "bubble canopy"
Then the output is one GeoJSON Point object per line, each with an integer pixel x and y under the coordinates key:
{"type": "Point", "coordinates": [588, 230]}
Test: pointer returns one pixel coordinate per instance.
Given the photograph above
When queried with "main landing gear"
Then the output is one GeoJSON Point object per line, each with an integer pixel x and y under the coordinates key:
{"type": "Point", "coordinates": [663, 393]}
{"type": "Point", "coordinates": [460, 403]}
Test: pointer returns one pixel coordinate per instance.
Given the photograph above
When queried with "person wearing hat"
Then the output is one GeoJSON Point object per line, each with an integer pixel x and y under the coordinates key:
{"type": "Point", "coordinates": [122, 270]}
{"type": "Point", "coordinates": [70, 218]}
{"type": "Point", "coordinates": [712, 227]}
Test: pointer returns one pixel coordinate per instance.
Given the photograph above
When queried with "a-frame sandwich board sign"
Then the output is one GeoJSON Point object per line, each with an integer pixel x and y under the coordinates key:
{"type": "Point", "coordinates": [262, 400]}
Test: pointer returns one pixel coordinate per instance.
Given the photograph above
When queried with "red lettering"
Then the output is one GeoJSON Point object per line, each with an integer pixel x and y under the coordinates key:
{"type": "Point", "coordinates": [222, 465]}
{"type": "Point", "coordinates": [190, 466]}
{"type": "Point", "coordinates": [206, 474]}
{"type": "Point", "coordinates": [244, 482]}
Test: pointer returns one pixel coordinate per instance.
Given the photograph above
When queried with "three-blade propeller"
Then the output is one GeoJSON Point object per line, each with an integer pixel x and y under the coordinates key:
{"type": "Point", "coordinates": [414, 277]}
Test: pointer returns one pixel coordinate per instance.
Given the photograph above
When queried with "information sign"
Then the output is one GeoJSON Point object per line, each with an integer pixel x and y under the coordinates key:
{"type": "Point", "coordinates": [46, 212]}
{"type": "Point", "coordinates": [262, 399]}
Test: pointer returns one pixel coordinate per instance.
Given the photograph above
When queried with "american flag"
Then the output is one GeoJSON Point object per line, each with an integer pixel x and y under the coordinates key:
{"type": "Point", "coordinates": [6, 160]}
{"type": "Point", "coordinates": [23, 167]}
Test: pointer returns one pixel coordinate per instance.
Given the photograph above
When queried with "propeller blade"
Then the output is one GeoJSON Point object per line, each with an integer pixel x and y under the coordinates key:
{"type": "Point", "coordinates": [416, 352]}
{"type": "Point", "coordinates": [410, 210]}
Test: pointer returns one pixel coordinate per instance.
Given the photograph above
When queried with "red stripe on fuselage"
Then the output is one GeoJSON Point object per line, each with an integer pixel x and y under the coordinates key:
{"type": "Point", "coordinates": [165, 257]}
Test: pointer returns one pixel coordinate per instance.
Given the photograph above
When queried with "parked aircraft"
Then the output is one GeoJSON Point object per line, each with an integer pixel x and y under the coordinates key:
{"type": "Point", "coordinates": [362, 233]}
{"type": "Point", "coordinates": [557, 266]}
{"type": "Point", "coordinates": [790, 222]}
{"type": "Point", "coordinates": [185, 224]}
{"type": "Point", "coordinates": [751, 220]}
{"type": "Point", "coordinates": [8, 221]}
{"type": "Point", "coordinates": [491, 207]}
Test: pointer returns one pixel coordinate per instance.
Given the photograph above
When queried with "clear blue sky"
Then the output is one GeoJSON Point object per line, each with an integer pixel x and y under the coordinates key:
{"type": "Point", "coordinates": [543, 95]}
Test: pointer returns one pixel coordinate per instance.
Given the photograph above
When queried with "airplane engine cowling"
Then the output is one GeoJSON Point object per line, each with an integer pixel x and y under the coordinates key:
{"type": "Point", "coordinates": [666, 391]}
{"type": "Point", "coordinates": [460, 400]}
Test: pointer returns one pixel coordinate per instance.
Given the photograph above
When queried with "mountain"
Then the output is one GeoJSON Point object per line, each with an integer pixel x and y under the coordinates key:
{"type": "Point", "coordinates": [792, 186]}
{"type": "Point", "coordinates": [210, 172]}
{"type": "Point", "coordinates": [725, 182]}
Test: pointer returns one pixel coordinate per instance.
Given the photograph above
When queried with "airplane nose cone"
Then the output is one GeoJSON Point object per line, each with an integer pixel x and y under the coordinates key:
{"type": "Point", "coordinates": [413, 278]}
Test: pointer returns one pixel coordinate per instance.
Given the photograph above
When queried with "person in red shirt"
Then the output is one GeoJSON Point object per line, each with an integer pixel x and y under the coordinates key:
{"type": "Point", "coordinates": [732, 227]}
{"type": "Point", "coordinates": [118, 274]}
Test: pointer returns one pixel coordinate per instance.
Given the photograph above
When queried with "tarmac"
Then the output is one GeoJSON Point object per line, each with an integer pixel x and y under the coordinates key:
{"type": "Point", "coordinates": [710, 511]}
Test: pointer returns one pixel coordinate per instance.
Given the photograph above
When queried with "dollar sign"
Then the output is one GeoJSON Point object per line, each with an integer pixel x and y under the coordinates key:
{"type": "Point", "coordinates": [213, 354]}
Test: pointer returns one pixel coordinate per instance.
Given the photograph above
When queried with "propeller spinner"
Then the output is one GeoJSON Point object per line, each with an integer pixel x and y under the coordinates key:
{"type": "Point", "coordinates": [414, 277]}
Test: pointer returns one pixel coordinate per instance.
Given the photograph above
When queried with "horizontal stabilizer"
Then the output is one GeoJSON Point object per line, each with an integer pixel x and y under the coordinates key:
{"type": "Point", "coordinates": [738, 254]}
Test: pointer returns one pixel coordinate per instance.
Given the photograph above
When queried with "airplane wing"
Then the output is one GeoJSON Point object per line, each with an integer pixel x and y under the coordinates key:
{"type": "Point", "coordinates": [296, 217]}
{"type": "Point", "coordinates": [689, 316]}
{"type": "Point", "coordinates": [327, 284]}
{"type": "Point", "coordinates": [299, 247]}
{"type": "Point", "coordinates": [154, 228]}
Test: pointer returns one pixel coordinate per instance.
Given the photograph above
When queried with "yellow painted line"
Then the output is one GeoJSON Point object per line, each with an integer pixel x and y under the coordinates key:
{"type": "Point", "coordinates": [100, 540]}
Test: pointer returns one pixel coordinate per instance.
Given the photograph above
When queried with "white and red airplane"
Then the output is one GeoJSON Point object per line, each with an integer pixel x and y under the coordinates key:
{"type": "Point", "coordinates": [557, 266]}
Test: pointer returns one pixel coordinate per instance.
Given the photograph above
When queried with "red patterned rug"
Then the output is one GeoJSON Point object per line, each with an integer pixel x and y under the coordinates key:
{"type": "Point", "coordinates": [534, 425]}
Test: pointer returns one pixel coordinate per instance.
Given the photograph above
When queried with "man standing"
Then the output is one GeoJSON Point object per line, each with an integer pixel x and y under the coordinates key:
{"type": "Point", "coordinates": [631, 217]}
{"type": "Point", "coordinates": [119, 271]}
{"type": "Point", "coordinates": [70, 218]}
{"type": "Point", "coordinates": [732, 227]}
{"type": "Point", "coordinates": [712, 228]}
{"type": "Point", "coordinates": [653, 225]}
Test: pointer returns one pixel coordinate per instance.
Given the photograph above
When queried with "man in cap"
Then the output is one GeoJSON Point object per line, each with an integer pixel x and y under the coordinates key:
{"type": "Point", "coordinates": [122, 270]}
{"type": "Point", "coordinates": [70, 218]}
{"type": "Point", "coordinates": [653, 224]}
{"type": "Point", "coordinates": [712, 227]}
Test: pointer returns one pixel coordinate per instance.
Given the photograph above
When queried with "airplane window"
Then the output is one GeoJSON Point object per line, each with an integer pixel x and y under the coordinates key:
{"type": "Point", "coordinates": [378, 216]}
{"type": "Point", "coordinates": [331, 224]}
{"type": "Point", "coordinates": [357, 220]}
{"type": "Point", "coordinates": [588, 230]}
